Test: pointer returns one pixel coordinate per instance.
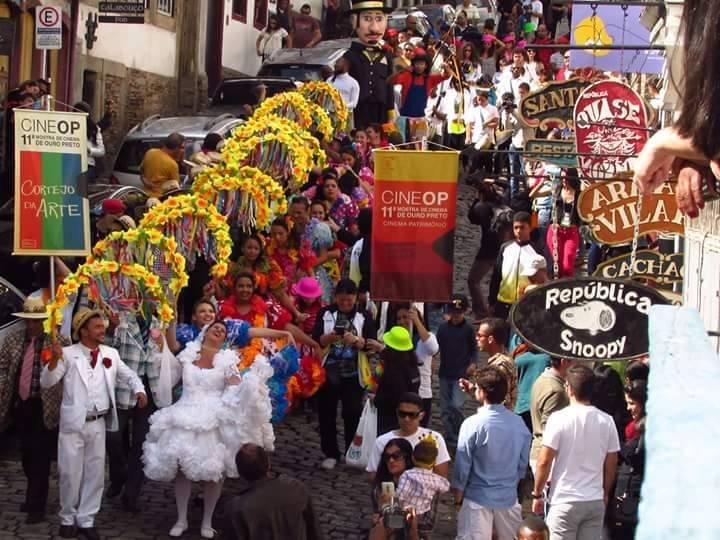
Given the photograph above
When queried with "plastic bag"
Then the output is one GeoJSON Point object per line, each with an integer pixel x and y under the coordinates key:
{"type": "Point", "coordinates": [365, 435]}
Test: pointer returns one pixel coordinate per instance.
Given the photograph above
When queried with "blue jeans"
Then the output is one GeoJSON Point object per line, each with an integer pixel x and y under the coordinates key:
{"type": "Point", "coordinates": [516, 169]}
{"type": "Point", "coordinates": [451, 413]}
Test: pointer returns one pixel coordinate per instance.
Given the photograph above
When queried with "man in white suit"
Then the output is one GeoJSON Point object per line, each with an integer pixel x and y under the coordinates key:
{"type": "Point", "coordinates": [90, 371]}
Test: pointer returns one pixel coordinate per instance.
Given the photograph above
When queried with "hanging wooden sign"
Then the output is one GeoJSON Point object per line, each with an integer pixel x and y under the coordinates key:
{"type": "Point", "coordinates": [587, 319]}
{"type": "Point", "coordinates": [611, 122]}
{"type": "Point", "coordinates": [611, 209]}
{"type": "Point", "coordinates": [558, 152]}
{"type": "Point", "coordinates": [552, 105]}
{"type": "Point", "coordinates": [649, 264]}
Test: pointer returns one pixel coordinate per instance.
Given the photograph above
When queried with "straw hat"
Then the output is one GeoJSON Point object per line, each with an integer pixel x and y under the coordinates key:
{"type": "Point", "coordinates": [33, 308]}
{"type": "Point", "coordinates": [81, 318]}
{"type": "Point", "coordinates": [398, 338]}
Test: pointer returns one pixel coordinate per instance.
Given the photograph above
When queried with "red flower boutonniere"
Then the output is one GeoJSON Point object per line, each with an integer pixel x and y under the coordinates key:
{"type": "Point", "coordinates": [46, 355]}
{"type": "Point", "coordinates": [107, 362]}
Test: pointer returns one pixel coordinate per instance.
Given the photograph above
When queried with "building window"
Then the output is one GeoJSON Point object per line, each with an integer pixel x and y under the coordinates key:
{"type": "Point", "coordinates": [261, 14]}
{"type": "Point", "coordinates": [239, 10]}
{"type": "Point", "coordinates": [166, 7]}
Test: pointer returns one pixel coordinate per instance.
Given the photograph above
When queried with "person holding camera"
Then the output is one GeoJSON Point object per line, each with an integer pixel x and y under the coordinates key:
{"type": "Point", "coordinates": [517, 134]}
{"type": "Point", "coordinates": [342, 330]}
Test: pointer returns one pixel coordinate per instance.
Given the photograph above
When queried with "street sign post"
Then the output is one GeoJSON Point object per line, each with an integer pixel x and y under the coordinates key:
{"type": "Point", "coordinates": [122, 12]}
{"type": "Point", "coordinates": [48, 28]}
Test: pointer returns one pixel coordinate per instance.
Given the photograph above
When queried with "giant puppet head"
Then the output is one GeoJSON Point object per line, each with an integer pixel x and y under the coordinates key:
{"type": "Point", "coordinates": [370, 20]}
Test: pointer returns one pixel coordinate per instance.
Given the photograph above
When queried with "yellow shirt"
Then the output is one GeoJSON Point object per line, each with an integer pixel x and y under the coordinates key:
{"type": "Point", "coordinates": [157, 168]}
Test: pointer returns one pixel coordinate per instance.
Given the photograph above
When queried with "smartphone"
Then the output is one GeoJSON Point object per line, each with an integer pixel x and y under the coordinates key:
{"type": "Point", "coordinates": [388, 488]}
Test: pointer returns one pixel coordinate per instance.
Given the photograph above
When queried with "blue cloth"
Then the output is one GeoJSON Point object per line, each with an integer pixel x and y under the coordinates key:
{"type": "Point", "coordinates": [492, 457]}
{"type": "Point", "coordinates": [237, 333]}
{"type": "Point", "coordinates": [185, 333]}
{"type": "Point", "coordinates": [415, 100]}
{"type": "Point", "coordinates": [452, 399]}
{"type": "Point", "coordinates": [530, 366]}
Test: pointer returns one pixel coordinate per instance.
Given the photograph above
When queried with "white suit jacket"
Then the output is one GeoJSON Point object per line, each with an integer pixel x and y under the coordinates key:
{"type": "Point", "coordinates": [73, 409]}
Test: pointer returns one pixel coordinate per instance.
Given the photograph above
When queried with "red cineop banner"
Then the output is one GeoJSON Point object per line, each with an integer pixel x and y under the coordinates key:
{"type": "Point", "coordinates": [413, 225]}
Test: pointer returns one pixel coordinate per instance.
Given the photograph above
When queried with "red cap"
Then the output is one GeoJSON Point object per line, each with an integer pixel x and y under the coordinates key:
{"type": "Point", "coordinates": [391, 32]}
{"type": "Point", "coordinates": [113, 206]}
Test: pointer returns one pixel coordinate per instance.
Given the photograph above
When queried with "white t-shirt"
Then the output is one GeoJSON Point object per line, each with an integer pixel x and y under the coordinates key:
{"type": "Point", "coordinates": [537, 7]}
{"type": "Point", "coordinates": [582, 436]}
{"type": "Point", "coordinates": [271, 42]}
{"type": "Point", "coordinates": [348, 87]}
{"type": "Point", "coordinates": [425, 350]}
{"type": "Point", "coordinates": [382, 440]}
{"type": "Point", "coordinates": [479, 116]}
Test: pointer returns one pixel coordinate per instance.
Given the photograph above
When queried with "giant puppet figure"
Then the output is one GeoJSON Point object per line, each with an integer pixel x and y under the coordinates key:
{"type": "Point", "coordinates": [370, 65]}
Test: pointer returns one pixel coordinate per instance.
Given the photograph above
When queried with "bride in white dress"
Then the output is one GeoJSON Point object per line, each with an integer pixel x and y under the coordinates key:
{"type": "Point", "coordinates": [197, 438]}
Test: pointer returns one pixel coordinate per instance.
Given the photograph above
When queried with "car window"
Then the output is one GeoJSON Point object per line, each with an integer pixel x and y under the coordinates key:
{"type": "Point", "coordinates": [10, 303]}
{"type": "Point", "coordinates": [241, 92]}
{"type": "Point", "coordinates": [297, 72]}
{"type": "Point", "coordinates": [132, 152]}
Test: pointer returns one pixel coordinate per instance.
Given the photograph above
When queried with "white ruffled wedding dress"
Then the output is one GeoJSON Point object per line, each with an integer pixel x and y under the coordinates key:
{"type": "Point", "coordinates": [201, 434]}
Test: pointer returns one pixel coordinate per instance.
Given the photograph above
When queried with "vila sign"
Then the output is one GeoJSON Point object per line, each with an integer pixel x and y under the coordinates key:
{"type": "Point", "coordinates": [610, 128]}
{"type": "Point", "coordinates": [557, 152]}
{"type": "Point", "coordinates": [552, 105]}
{"type": "Point", "coordinates": [52, 217]}
{"type": "Point", "coordinates": [587, 318]}
{"type": "Point", "coordinates": [611, 210]}
{"type": "Point", "coordinates": [649, 264]}
{"type": "Point", "coordinates": [127, 12]}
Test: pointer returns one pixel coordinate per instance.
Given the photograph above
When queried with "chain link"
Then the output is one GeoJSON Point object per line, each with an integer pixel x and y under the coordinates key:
{"type": "Point", "coordinates": [593, 52]}
{"type": "Point", "coordinates": [555, 195]}
{"type": "Point", "coordinates": [636, 233]}
{"type": "Point", "coordinates": [625, 9]}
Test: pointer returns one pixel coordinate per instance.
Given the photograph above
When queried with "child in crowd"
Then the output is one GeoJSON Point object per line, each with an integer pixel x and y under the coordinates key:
{"type": "Point", "coordinates": [418, 486]}
{"type": "Point", "coordinates": [308, 293]}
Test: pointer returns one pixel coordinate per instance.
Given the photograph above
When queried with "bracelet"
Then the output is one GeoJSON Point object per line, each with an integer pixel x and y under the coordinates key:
{"type": "Point", "coordinates": [536, 496]}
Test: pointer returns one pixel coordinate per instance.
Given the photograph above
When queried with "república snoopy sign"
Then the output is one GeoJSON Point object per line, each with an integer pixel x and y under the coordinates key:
{"type": "Point", "coordinates": [587, 318]}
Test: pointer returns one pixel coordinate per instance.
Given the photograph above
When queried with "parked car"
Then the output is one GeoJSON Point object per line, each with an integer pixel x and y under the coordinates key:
{"type": "Point", "coordinates": [11, 301]}
{"type": "Point", "coordinates": [397, 20]}
{"type": "Point", "coordinates": [150, 134]}
{"type": "Point", "coordinates": [487, 8]}
{"type": "Point", "coordinates": [232, 95]}
{"type": "Point", "coordinates": [433, 12]}
{"type": "Point", "coordinates": [304, 64]}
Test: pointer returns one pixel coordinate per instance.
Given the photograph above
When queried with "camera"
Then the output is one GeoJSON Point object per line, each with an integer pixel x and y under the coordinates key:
{"type": "Point", "coordinates": [393, 516]}
{"type": "Point", "coordinates": [508, 104]}
{"type": "Point", "coordinates": [342, 324]}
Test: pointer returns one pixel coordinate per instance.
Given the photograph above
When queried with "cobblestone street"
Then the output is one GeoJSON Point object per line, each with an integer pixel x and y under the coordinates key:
{"type": "Point", "coordinates": [341, 497]}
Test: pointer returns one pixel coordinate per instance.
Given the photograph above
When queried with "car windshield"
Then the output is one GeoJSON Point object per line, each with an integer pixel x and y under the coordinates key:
{"type": "Point", "coordinates": [296, 71]}
{"type": "Point", "coordinates": [132, 153]}
{"type": "Point", "coordinates": [241, 92]}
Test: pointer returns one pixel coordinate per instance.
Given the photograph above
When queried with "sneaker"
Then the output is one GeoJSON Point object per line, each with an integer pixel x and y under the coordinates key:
{"type": "Point", "coordinates": [328, 464]}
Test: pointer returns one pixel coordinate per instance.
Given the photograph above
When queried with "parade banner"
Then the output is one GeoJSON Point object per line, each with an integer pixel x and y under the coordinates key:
{"type": "Point", "coordinates": [52, 215]}
{"type": "Point", "coordinates": [555, 151]}
{"type": "Point", "coordinates": [552, 104]}
{"type": "Point", "coordinates": [612, 25]}
{"type": "Point", "coordinates": [413, 225]}
{"type": "Point", "coordinates": [610, 208]}
{"type": "Point", "coordinates": [649, 264]}
{"type": "Point", "coordinates": [611, 122]}
{"type": "Point", "coordinates": [587, 318]}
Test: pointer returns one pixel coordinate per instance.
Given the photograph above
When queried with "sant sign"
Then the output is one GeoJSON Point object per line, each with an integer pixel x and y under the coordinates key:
{"type": "Point", "coordinates": [611, 122]}
{"type": "Point", "coordinates": [587, 319]}
{"type": "Point", "coordinates": [649, 264]}
{"type": "Point", "coordinates": [552, 105]}
{"type": "Point", "coordinates": [556, 151]}
{"type": "Point", "coordinates": [611, 210]}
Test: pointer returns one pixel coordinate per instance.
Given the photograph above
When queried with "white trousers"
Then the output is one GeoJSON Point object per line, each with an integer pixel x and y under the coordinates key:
{"type": "Point", "coordinates": [476, 522]}
{"type": "Point", "coordinates": [81, 466]}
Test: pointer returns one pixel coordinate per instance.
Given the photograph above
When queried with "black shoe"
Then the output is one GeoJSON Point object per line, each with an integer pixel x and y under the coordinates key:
{"type": "Point", "coordinates": [68, 531]}
{"type": "Point", "coordinates": [130, 505]}
{"type": "Point", "coordinates": [35, 517]}
{"type": "Point", "coordinates": [113, 491]}
{"type": "Point", "coordinates": [89, 533]}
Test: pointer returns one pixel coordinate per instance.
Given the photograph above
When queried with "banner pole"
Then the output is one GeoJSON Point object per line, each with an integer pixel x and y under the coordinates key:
{"type": "Point", "coordinates": [52, 278]}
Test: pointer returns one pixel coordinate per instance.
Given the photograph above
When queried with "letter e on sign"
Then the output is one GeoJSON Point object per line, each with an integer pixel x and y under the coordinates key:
{"type": "Point", "coordinates": [48, 28]}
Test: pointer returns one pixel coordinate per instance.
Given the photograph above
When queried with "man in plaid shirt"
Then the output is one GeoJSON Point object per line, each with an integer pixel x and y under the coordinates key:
{"type": "Point", "coordinates": [418, 487]}
{"type": "Point", "coordinates": [126, 468]}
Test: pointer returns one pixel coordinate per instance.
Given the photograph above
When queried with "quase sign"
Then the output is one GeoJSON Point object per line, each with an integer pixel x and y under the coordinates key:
{"type": "Point", "coordinates": [587, 318]}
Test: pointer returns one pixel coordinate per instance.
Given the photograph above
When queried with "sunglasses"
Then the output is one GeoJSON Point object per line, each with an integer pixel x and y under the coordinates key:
{"type": "Point", "coordinates": [395, 456]}
{"type": "Point", "coordinates": [407, 414]}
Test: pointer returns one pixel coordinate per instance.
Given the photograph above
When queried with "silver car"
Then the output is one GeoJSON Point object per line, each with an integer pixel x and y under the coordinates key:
{"type": "Point", "coordinates": [150, 134]}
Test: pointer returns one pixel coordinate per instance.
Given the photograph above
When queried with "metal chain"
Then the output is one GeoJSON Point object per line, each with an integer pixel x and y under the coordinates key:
{"type": "Point", "coordinates": [636, 233]}
{"type": "Point", "coordinates": [594, 8]}
{"type": "Point", "coordinates": [625, 9]}
{"type": "Point", "coordinates": [555, 253]}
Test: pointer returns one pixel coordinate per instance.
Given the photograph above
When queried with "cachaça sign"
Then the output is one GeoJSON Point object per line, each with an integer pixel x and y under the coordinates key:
{"type": "Point", "coordinates": [610, 129]}
{"type": "Point", "coordinates": [587, 318]}
{"type": "Point", "coordinates": [611, 210]}
{"type": "Point", "coordinates": [552, 105]}
{"type": "Point", "coordinates": [649, 264]}
{"type": "Point", "coordinates": [558, 152]}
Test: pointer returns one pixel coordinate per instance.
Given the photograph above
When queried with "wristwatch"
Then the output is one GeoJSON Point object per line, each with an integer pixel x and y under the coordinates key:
{"type": "Point", "coordinates": [536, 496]}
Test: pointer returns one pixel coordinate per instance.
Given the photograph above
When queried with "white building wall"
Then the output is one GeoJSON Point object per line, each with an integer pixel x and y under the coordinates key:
{"type": "Point", "coordinates": [139, 46]}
